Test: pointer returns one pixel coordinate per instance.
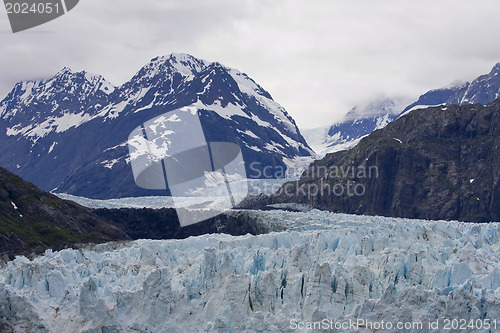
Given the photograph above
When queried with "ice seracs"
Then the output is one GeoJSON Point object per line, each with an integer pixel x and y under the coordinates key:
{"type": "Point", "coordinates": [326, 265]}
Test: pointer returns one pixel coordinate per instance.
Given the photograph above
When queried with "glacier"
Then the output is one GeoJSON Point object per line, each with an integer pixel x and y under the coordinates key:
{"type": "Point", "coordinates": [214, 193]}
{"type": "Point", "coordinates": [321, 265]}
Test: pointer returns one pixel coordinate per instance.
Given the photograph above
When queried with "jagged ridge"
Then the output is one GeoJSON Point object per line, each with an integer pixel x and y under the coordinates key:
{"type": "Point", "coordinates": [70, 132]}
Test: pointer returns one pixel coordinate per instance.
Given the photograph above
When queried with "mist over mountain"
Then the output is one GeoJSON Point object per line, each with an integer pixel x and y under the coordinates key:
{"type": "Point", "coordinates": [483, 90]}
{"type": "Point", "coordinates": [357, 123]}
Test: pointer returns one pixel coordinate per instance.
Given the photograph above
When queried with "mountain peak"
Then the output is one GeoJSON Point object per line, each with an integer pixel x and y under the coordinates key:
{"type": "Point", "coordinates": [496, 69]}
{"type": "Point", "coordinates": [182, 63]}
{"type": "Point", "coordinates": [64, 71]}
{"type": "Point", "coordinates": [82, 82]}
{"type": "Point", "coordinates": [183, 57]}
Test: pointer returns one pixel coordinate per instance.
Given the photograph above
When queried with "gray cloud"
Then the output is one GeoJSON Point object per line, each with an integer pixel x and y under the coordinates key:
{"type": "Point", "coordinates": [317, 58]}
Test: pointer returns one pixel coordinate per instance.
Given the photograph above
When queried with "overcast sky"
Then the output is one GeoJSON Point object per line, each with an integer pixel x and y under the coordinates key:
{"type": "Point", "coordinates": [317, 58]}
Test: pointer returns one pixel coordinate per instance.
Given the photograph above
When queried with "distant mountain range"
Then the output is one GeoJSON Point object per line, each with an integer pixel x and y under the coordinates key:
{"type": "Point", "coordinates": [361, 121]}
{"type": "Point", "coordinates": [69, 133]}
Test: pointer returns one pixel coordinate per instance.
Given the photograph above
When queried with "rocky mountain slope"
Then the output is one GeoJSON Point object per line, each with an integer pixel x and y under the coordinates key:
{"type": "Point", "coordinates": [435, 163]}
{"type": "Point", "coordinates": [69, 133]}
{"type": "Point", "coordinates": [32, 221]}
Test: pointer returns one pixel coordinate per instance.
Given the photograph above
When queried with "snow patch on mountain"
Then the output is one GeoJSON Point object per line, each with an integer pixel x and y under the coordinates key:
{"type": "Point", "coordinates": [52, 124]}
{"type": "Point", "coordinates": [52, 147]}
{"type": "Point", "coordinates": [228, 111]}
{"type": "Point", "coordinates": [325, 266]}
{"type": "Point", "coordinates": [383, 121]}
{"type": "Point", "coordinates": [249, 133]}
{"type": "Point", "coordinates": [416, 107]}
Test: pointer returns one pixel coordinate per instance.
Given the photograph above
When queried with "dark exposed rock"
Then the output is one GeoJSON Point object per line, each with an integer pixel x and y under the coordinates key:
{"type": "Point", "coordinates": [256, 201]}
{"type": "Point", "coordinates": [163, 223]}
{"type": "Point", "coordinates": [435, 163]}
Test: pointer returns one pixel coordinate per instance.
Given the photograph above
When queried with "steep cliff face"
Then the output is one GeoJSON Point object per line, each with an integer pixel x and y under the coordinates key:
{"type": "Point", "coordinates": [436, 163]}
{"type": "Point", "coordinates": [32, 221]}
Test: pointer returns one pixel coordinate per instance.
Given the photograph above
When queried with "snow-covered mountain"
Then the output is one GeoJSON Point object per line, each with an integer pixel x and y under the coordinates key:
{"type": "Point", "coordinates": [483, 90]}
{"type": "Point", "coordinates": [332, 267]}
{"type": "Point", "coordinates": [69, 133]}
{"type": "Point", "coordinates": [357, 123]}
{"type": "Point", "coordinates": [361, 121]}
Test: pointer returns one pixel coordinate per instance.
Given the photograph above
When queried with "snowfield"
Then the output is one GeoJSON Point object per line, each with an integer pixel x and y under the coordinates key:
{"type": "Point", "coordinates": [325, 266]}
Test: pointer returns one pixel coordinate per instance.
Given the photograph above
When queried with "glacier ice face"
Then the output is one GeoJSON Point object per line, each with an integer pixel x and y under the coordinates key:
{"type": "Point", "coordinates": [325, 266]}
{"type": "Point", "coordinates": [215, 194]}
